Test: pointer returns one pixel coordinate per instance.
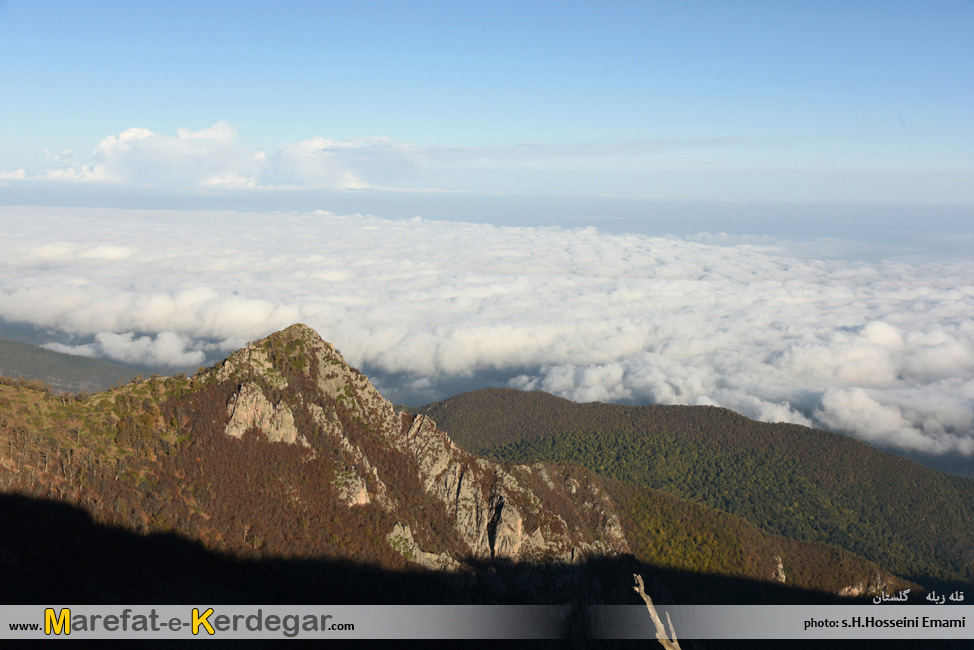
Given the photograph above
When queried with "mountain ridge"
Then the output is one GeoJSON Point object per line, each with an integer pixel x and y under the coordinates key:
{"type": "Point", "coordinates": [283, 449]}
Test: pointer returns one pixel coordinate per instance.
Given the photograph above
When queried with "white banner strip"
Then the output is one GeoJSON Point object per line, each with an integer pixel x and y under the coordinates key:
{"type": "Point", "coordinates": [484, 622]}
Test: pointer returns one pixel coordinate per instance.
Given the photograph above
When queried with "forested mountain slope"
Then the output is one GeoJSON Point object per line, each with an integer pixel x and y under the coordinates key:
{"type": "Point", "coordinates": [786, 479]}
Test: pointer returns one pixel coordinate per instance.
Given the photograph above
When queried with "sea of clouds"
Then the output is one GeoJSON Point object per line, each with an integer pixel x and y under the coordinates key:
{"type": "Point", "coordinates": [881, 350]}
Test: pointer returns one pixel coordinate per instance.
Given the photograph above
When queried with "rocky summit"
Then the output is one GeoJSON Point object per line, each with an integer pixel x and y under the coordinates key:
{"type": "Point", "coordinates": [515, 513]}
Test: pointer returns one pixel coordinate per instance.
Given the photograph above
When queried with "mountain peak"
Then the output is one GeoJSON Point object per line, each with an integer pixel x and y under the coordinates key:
{"type": "Point", "coordinates": [294, 387]}
{"type": "Point", "coordinates": [299, 329]}
{"type": "Point", "coordinates": [295, 349]}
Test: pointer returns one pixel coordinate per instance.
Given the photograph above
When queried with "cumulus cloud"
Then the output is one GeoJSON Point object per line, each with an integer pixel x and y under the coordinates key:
{"type": "Point", "coordinates": [854, 409]}
{"type": "Point", "coordinates": [142, 157]}
{"type": "Point", "coordinates": [213, 158]}
{"type": "Point", "coordinates": [14, 175]}
{"type": "Point", "coordinates": [879, 350]}
{"type": "Point", "coordinates": [164, 349]}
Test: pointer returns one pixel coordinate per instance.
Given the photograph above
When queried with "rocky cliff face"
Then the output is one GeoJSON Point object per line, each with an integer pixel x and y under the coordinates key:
{"type": "Point", "coordinates": [518, 513]}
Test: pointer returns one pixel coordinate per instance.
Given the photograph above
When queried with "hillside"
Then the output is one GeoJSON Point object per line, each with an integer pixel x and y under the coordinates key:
{"type": "Point", "coordinates": [62, 372]}
{"type": "Point", "coordinates": [284, 452]}
{"type": "Point", "coordinates": [785, 479]}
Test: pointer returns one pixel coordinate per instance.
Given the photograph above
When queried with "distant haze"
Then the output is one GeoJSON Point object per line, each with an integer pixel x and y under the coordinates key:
{"type": "Point", "coordinates": [881, 348]}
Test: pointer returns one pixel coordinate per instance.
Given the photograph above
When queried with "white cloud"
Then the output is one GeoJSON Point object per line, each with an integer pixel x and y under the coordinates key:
{"type": "Point", "coordinates": [15, 175]}
{"type": "Point", "coordinates": [70, 171]}
{"type": "Point", "coordinates": [141, 157]}
{"type": "Point", "coordinates": [855, 411]}
{"type": "Point", "coordinates": [212, 158]}
{"type": "Point", "coordinates": [89, 350]}
{"type": "Point", "coordinates": [355, 163]}
{"type": "Point", "coordinates": [879, 350]}
{"type": "Point", "coordinates": [165, 349]}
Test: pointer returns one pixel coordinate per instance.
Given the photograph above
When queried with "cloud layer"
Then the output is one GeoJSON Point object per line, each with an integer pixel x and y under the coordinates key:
{"type": "Point", "coordinates": [883, 351]}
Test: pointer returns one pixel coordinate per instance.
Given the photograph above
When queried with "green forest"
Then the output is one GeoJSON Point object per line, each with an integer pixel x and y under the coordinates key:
{"type": "Point", "coordinates": [787, 480]}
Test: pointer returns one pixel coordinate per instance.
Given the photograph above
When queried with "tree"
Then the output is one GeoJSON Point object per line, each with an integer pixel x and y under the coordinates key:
{"type": "Point", "coordinates": [661, 634]}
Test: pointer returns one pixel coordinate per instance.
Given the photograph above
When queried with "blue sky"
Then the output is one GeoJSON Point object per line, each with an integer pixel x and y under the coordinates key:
{"type": "Point", "coordinates": [745, 101]}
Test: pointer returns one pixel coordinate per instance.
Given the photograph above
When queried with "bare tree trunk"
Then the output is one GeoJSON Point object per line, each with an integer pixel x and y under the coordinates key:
{"type": "Point", "coordinates": [661, 634]}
